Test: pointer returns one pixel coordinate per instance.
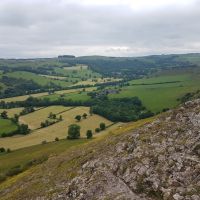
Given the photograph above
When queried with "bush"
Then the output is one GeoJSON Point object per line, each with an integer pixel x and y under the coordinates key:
{"type": "Point", "coordinates": [73, 131]}
{"type": "Point", "coordinates": [8, 150]}
{"type": "Point", "coordinates": [97, 130]}
{"type": "Point", "coordinates": [2, 150]}
{"type": "Point", "coordinates": [89, 134]}
{"type": "Point", "coordinates": [56, 139]}
{"type": "Point", "coordinates": [44, 142]}
{"type": "Point", "coordinates": [78, 118]}
{"type": "Point", "coordinates": [14, 171]}
{"type": "Point", "coordinates": [85, 115]}
{"type": "Point", "coordinates": [102, 126]}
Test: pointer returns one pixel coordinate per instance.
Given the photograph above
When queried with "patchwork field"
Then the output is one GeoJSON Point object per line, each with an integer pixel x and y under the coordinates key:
{"type": "Point", "coordinates": [160, 92]}
{"type": "Point", "coordinates": [56, 130]}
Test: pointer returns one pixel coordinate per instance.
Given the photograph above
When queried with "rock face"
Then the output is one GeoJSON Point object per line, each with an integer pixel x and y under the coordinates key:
{"type": "Point", "coordinates": [158, 161]}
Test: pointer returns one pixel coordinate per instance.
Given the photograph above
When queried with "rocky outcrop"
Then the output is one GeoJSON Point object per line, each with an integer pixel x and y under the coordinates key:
{"type": "Point", "coordinates": [158, 161]}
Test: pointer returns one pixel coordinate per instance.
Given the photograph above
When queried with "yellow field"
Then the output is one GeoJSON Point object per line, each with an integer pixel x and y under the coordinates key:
{"type": "Point", "coordinates": [57, 130]}
{"type": "Point", "coordinates": [23, 98]}
{"type": "Point", "coordinates": [34, 119]}
{"type": "Point", "coordinates": [97, 80]}
{"type": "Point", "coordinates": [12, 111]}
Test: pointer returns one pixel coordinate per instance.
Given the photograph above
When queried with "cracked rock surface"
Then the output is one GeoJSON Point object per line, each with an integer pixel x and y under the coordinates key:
{"type": "Point", "coordinates": [158, 161]}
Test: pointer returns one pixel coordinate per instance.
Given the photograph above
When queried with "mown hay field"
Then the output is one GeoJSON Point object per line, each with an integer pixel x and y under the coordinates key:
{"type": "Point", "coordinates": [34, 119]}
{"type": "Point", "coordinates": [12, 111]}
{"type": "Point", "coordinates": [45, 94]}
{"type": "Point", "coordinates": [59, 129]}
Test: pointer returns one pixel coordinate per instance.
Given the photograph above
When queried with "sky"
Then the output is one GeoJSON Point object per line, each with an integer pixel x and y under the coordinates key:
{"type": "Point", "coordinates": [48, 28]}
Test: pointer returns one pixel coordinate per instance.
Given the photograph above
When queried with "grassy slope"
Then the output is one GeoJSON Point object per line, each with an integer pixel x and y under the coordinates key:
{"type": "Point", "coordinates": [7, 126]}
{"type": "Point", "coordinates": [57, 130]}
{"type": "Point", "coordinates": [75, 96]}
{"type": "Point", "coordinates": [45, 94]}
{"type": "Point", "coordinates": [158, 96]}
{"type": "Point", "coordinates": [43, 81]}
{"type": "Point", "coordinates": [68, 160]}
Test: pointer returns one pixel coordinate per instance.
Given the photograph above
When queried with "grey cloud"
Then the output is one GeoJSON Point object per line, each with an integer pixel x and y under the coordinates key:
{"type": "Point", "coordinates": [52, 27]}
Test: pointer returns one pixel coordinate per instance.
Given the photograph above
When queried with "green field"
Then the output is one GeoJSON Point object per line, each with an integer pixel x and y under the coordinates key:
{"type": "Point", "coordinates": [7, 126]}
{"type": "Point", "coordinates": [43, 81]}
{"type": "Point", "coordinates": [74, 96]}
{"type": "Point", "coordinates": [160, 92]}
{"type": "Point", "coordinates": [76, 73]}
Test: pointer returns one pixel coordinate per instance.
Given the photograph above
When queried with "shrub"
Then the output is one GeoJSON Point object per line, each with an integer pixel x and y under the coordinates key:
{"type": "Point", "coordinates": [89, 134]}
{"type": "Point", "coordinates": [44, 142]}
{"type": "Point", "coordinates": [56, 139]}
{"type": "Point", "coordinates": [102, 126]}
{"type": "Point", "coordinates": [78, 117]}
{"type": "Point", "coordinates": [85, 115]}
{"type": "Point", "coordinates": [8, 150]}
{"type": "Point", "coordinates": [2, 150]}
{"type": "Point", "coordinates": [97, 130]}
{"type": "Point", "coordinates": [14, 171]}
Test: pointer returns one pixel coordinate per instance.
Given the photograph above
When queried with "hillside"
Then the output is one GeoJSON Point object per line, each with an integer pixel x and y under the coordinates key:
{"type": "Point", "coordinates": [156, 160]}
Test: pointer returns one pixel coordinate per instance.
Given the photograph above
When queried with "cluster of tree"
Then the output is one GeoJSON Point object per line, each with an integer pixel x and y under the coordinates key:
{"type": "Point", "coordinates": [52, 120]}
{"type": "Point", "coordinates": [3, 150]}
{"type": "Point", "coordinates": [27, 110]}
{"type": "Point", "coordinates": [17, 86]}
{"type": "Point", "coordinates": [74, 132]}
{"type": "Point", "coordinates": [79, 117]}
{"type": "Point", "coordinates": [22, 129]}
{"type": "Point", "coordinates": [131, 67]}
{"type": "Point", "coordinates": [102, 127]}
{"type": "Point", "coordinates": [124, 109]}
{"type": "Point", "coordinates": [121, 109]}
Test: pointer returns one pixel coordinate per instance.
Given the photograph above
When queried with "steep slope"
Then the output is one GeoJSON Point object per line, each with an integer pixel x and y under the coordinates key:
{"type": "Point", "coordinates": [160, 160]}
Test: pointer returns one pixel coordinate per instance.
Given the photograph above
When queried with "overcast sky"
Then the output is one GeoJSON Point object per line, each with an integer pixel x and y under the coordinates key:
{"type": "Point", "coordinates": [47, 28]}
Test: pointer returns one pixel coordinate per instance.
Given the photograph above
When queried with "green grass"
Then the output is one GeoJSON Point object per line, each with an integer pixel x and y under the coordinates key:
{"type": "Point", "coordinates": [75, 96]}
{"type": "Point", "coordinates": [77, 75]}
{"type": "Point", "coordinates": [23, 156]}
{"type": "Point", "coordinates": [159, 94]}
{"type": "Point", "coordinates": [43, 81]}
{"type": "Point", "coordinates": [7, 126]}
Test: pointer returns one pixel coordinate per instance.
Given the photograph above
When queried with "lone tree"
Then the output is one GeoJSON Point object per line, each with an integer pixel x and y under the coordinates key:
{"type": "Point", "coordinates": [89, 134]}
{"type": "Point", "coordinates": [85, 115]}
{"type": "Point", "coordinates": [73, 131]}
{"type": "Point", "coordinates": [102, 126]}
{"type": "Point", "coordinates": [78, 118]}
